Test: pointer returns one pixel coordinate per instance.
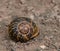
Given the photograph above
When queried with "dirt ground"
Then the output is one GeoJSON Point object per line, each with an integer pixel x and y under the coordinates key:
{"type": "Point", "coordinates": [46, 14]}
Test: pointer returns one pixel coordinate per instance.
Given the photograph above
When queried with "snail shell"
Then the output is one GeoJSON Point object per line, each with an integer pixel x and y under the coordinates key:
{"type": "Point", "coordinates": [22, 29]}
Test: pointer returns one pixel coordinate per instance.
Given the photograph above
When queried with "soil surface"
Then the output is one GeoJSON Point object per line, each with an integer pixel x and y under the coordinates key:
{"type": "Point", "coordinates": [46, 14]}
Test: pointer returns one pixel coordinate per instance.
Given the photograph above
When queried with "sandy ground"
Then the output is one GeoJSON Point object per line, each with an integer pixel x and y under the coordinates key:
{"type": "Point", "coordinates": [46, 14]}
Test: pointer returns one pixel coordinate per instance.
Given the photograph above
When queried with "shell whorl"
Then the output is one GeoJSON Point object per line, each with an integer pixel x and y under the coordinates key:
{"type": "Point", "coordinates": [23, 29]}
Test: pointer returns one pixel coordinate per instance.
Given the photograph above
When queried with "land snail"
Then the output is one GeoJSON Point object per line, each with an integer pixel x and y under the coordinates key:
{"type": "Point", "coordinates": [22, 29]}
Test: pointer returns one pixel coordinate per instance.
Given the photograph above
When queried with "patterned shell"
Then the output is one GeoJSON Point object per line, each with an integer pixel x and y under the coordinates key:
{"type": "Point", "coordinates": [22, 29]}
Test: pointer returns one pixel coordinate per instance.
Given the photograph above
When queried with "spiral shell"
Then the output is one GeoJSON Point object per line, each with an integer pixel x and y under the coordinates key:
{"type": "Point", "coordinates": [22, 29]}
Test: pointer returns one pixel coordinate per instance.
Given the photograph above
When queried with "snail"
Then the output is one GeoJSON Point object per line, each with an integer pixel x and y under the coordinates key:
{"type": "Point", "coordinates": [22, 29]}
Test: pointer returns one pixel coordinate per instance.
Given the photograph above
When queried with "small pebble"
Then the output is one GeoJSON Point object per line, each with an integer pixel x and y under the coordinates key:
{"type": "Point", "coordinates": [42, 46]}
{"type": "Point", "coordinates": [31, 16]}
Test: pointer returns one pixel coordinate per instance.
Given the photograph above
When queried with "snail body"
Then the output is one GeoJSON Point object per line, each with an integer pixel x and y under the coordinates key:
{"type": "Point", "coordinates": [22, 29]}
